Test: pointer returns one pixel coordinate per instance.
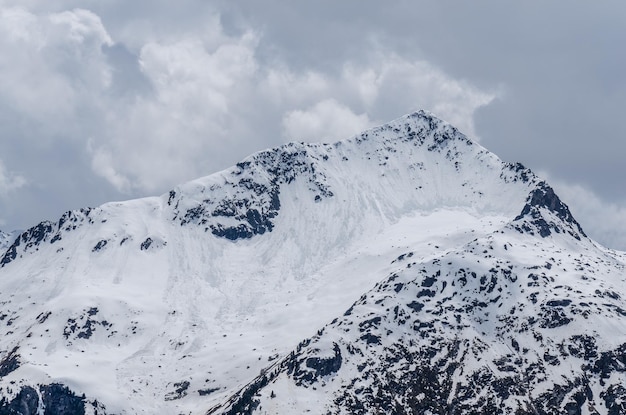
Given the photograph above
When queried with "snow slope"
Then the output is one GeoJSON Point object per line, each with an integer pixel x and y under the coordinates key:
{"type": "Point", "coordinates": [187, 302]}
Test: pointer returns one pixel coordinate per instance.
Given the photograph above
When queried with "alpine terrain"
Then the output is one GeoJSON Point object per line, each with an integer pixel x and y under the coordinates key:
{"type": "Point", "coordinates": [406, 270]}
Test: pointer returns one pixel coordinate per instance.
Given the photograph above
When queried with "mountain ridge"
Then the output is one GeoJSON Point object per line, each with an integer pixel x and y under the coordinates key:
{"type": "Point", "coordinates": [282, 165]}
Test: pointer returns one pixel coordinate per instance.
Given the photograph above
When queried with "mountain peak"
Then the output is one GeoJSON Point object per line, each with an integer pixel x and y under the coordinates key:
{"type": "Point", "coordinates": [419, 126]}
{"type": "Point", "coordinates": [450, 169]}
{"type": "Point", "coordinates": [543, 199]}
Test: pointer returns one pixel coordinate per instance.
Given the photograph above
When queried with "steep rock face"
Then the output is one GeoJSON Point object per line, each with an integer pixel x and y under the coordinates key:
{"type": "Point", "coordinates": [174, 304]}
{"type": "Point", "coordinates": [543, 203]}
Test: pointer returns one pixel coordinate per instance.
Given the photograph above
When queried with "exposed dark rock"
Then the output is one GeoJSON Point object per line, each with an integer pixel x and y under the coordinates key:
{"type": "Point", "coordinates": [415, 306]}
{"type": "Point", "coordinates": [9, 362]}
{"type": "Point", "coordinates": [429, 281]}
{"type": "Point", "coordinates": [56, 399]}
{"type": "Point", "coordinates": [559, 303]}
{"type": "Point", "coordinates": [245, 401]}
{"type": "Point", "coordinates": [370, 338]}
{"type": "Point", "coordinates": [208, 391]}
{"type": "Point", "coordinates": [309, 369]}
{"type": "Point", "coordinates": [171, 197]}
{"type": "Point", "coordinates": [146, 244]}
{"type": "Point", "coordinates": [543, 196]}
{"type": "Point", "coordinates": [45, 231]}
{"type": "Point", "coordinates": [31, 238]}
{"type": "Point", "coordinates": [552, 317]}
{"type": "Point", "coordinates": [615, 399]}
{"type": "Point", "coordinates": [521, 172]}
{"type": "Point", "coordinates": [254, 200]}
{"type": "Point", "coordinates": [325, 366]}
{"type": "Point", "coordinates": [367, 324]}
{"type": "Point", "coordinates": [101, 244]}
{"type": "Point", "coordinates": [83, 326]}
{"type": "Point", "coordinates": [25, 403]}
{"type": "Point", "coordinates": [42, 317]}
{"type": "Point", "coordinates": [609, 362]}
{"type": "Point", "coordinates": [233, 233]}
{"type": "Point", "coordinates": [180, 391]}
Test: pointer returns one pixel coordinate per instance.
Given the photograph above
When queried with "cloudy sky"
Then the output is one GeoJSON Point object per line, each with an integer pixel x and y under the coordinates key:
{"type": "Point", "coordinates": [111, 100]}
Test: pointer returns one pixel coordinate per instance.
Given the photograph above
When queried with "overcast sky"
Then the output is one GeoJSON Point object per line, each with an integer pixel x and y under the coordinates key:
{"type": "Point", "coordinates": [111, 100]}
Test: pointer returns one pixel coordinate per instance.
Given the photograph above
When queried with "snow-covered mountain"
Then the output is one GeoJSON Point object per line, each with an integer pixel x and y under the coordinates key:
{"type": "Point", "coordinates": [404, 270]}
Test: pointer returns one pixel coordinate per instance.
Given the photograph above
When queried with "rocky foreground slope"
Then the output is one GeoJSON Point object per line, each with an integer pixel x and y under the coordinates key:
{"type": "Point", "coordinates": [406, 270]}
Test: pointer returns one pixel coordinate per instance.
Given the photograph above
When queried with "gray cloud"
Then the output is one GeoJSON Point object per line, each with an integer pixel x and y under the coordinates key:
{"type": "Point", "coordinates": [127, 80]}
{"type": "Point", "coordinates": [110, 100]}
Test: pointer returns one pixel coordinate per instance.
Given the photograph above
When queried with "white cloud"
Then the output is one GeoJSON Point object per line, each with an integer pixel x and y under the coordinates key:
{"type": "Point", "coordinates": [182, 129]}
{"type": "Point", "coordinates": [81, 27]}
{"type": "Point", "coordinates": [9, 181]}
{"type": "Point", "coordinates": [187, 74]}
{"type": "Point", "coordinates": [284, 88]}
{"type": "Point", "coordinates": [394, 81]}
{"type": "Point", "coordinates": [209, 99]}
{"type": "Point", "coordinates": [327, 120]}
{"type": "Point", "coordinates": [366, 82]}
{"type": "Point", "coordinates": [389, 84]}
{"type": "Point", "coordinates": [102, 165]}
{"type": "Point", "coordinates": [52, 65]}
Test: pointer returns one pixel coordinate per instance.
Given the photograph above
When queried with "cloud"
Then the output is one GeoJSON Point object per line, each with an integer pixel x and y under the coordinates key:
{"type": "Point", "coordinates": [129, 108]}
{"type": "Point", "coordinates": [102, 165]}
{"type": "Point", "coordinates": [284, 87]}
{"type": "Point", "coordinates": [52, 65]}
{"type": "Point", "coordinates": [213, 100]}
{"type": "Point", "coordinates": [327, 120]}
{"type": "Point", "coordinates": [60, 75]}
{"type": "Point", "coordinates": [384, 87]}
{"type": "Point", "coordinates": [184, 125]}
{"type": "Point", "coordinates": [9, 181]}
{"type": "Point", "coordinates": [391, 81]}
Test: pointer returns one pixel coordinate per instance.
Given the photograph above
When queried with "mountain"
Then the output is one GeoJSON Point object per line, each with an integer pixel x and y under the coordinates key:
{"type": "Point", "coordinates": [405, 270]}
